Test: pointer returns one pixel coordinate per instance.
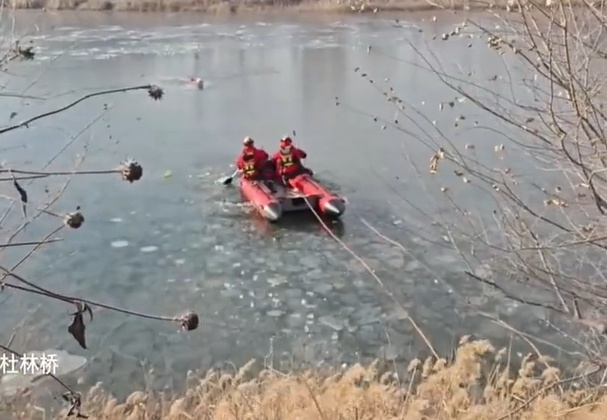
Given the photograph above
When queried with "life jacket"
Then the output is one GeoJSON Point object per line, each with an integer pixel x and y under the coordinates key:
{"type": "Point", "coordinates": [287, 159]}
{"type": "Point", "coordinates": [250, 166]}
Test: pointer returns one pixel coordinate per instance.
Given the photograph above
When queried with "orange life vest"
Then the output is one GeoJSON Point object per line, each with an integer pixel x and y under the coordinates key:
{"type": "Point", "coordinates": [250, 166]}
{"type": "Point", "coordinates": [287, 159]}
{"type": "Point", "coordinates": [249, 169]}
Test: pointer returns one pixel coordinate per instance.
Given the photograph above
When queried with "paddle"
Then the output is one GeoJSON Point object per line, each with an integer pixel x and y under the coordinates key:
{"type": "Point", "coordinates": [228, 180]}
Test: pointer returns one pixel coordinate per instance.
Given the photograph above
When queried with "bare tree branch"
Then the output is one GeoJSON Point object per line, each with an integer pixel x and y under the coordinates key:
{"type": "Point", "coordinates": [154, 92]}
{"type": "Point", "coordinates": [538, 238]}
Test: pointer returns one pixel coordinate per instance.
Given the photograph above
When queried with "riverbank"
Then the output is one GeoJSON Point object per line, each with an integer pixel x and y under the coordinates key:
{"type": "Point", "coordinates": [252, 6]}
{"type": "Point", "coordinates": [475, 386]}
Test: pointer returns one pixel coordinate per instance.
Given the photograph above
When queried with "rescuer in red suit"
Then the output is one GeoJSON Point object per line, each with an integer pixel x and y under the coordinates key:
{"type": "Point", "coordinates": [252, 162]}
{"type": "Point", "coordinates": [288, 160]}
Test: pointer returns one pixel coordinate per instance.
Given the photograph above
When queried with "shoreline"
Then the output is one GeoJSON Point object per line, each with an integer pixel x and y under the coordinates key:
{"type": "Point", "coordinates": [480, 382]}
{"type": "Point", "coordinates": [227, 7]}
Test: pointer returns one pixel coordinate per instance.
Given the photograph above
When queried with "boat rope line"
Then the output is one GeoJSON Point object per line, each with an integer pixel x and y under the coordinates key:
{"type": "Point", "coordinates": [373, 274]}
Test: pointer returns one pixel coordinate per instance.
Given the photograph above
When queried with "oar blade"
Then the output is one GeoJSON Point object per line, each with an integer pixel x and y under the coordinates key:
{"type": "Point", "coordinates": [228, 180]}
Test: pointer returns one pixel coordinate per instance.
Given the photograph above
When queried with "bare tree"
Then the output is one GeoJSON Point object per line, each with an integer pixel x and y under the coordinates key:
{"type": "Point", "coordinates": [543, 241]}
{"type": "Point", "coordinates": [32, 208]}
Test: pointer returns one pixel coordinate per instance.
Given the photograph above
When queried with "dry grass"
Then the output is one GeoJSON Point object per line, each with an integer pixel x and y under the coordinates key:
{"type": "Point", "coordinates": [478, 384]}
{"type": "Point", "coordinates": [252, 6]}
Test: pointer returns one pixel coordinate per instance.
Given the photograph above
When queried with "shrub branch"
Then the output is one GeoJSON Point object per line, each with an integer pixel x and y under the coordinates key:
{"type": "Point", "coordinates": [154, 92]}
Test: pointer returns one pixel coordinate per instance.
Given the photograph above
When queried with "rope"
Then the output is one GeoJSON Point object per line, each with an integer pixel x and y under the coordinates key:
{"type": "Point", "coordinates": [372, 273]}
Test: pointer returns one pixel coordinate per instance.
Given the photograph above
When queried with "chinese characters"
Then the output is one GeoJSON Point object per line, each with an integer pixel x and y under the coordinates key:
{"type": "Point", "coordinates": [29, 363]}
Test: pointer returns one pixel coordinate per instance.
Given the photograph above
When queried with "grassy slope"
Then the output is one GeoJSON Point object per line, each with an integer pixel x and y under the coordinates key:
{"type": "Point", "coordinates": [475, 386]}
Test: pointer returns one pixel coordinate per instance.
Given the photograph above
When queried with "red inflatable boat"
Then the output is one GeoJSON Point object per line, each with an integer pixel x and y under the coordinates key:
{"type": "Point", "coordinates": [273, 199]}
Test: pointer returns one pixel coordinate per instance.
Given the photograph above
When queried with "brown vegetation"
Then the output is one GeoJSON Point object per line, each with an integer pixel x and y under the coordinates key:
{"type": "Point", "coordinates": [476, 385]}
{"type": "Point", "coordinates": [550, 242]}
{"type": "Point", "coordinates": [252, 6]}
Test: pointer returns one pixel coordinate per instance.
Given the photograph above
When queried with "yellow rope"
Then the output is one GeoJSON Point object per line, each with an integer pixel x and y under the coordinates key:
{"type": "Point", "coordinates": [372, 273]}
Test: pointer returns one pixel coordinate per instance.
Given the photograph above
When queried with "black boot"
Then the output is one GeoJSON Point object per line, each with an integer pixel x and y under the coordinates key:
{"type": "Point", "coordinates": [270, 185]}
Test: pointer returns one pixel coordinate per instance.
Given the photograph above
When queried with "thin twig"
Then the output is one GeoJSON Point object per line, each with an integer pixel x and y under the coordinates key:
{"type": "Point", "coordinates": [49, 241]}
{"type": "Point", "coordinates": [34, 288]}
{"type": "Point", "coordinates": [56, 155]}
{"type": "Point", "coordinates": [546, 389]}
{"type": "Point", "coordinates": [314, 399]}
{"type": "Point", "coordinates": [37, 175]}
{"type": "Point", "coordinates": [72, 104]}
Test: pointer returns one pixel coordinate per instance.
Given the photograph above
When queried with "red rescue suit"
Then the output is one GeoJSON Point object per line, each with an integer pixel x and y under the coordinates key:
{"type": "Point", "coordinates": [288, 162]}
{"type": "Point", "coordinates": [252, 162]}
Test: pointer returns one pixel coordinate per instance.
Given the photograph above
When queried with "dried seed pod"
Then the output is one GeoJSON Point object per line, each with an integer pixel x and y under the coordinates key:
{"type": "Point", "coordinates": [75, 404]}
{"type": "Point", "coordinates": [74, 220]}
{"type": "Point", "coordinates": [131, 171]}
{"type": "Point", "coordinates": [434, 159]}
{"type": "Point", "coordinates": [155, 92]}
{"type": "Point", "coordinates": [189, 321]}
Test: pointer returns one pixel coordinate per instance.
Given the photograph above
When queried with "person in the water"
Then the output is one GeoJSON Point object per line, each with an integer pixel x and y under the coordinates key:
{"type": "Point", "coordinates": [198, 82]}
